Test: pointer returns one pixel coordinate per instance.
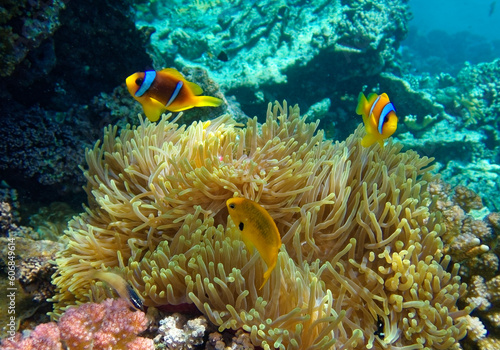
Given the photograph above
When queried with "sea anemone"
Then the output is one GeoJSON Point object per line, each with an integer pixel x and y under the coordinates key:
{"type": "Point", "coordinates": [361, 265]}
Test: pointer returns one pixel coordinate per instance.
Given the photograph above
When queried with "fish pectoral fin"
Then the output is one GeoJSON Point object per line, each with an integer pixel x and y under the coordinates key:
{"type": "Point", "coordinates": [267, 274]}
{"type": "Point", "coordinates": [270, 267]}
{"type": "Point", "coordinates": [370, 124]}
{"type": "Point", "coordinates": [153, 109]}
{"type": "Point", "coordinates": [248, 243]}
{"type": "Point", "coordinates": [369, 140]}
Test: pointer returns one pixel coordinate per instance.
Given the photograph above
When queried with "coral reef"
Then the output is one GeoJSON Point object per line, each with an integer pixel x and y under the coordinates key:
{"type": "Point", "coordinates": [33, 256]}
{"type": "Point", "coordinates": [241, 341]}
{"type": "Point", "coordinates": [438, 51]}
{"type": "Point", "coordinates": [41, 149]}
{"type": "Point", "coordinates": [164, 206]}
{"type": "Point", "coordinates": [466, 238]}
{"type": "Point", "coordinates": [10, 196]}
{"type": "Point", "coordinates": [51, 221]}
{"type": "Point", "coordinates": [33, 270]}
{"type": "Point", "coordinates": [48, 82]}
{"type": "Point", "coordinates": [454, 119]}
{"type": "Point", "coordinates": [108, 325]}
{"type": "Point", "coordinates": [6, 224]}
{"type": "Point", "coordinates": [250, 50]}
{"type": "Point", "coordinates": [34, 277]}
{"type": "Point", "coordinates": [361, 265]}
{"type": "Point", "coordinates": [105, 31]}
{"type": "Point", "coordinates": [475, 96]}
{"type": "Point", "coordinates": [175, 332]}
{"type": "Point", "coordinates": [24, 25]}
{"type": "Point", "coordinates": [484, 294]}
{"type": "Point", "coordinates": [474, 243]}
{"type": "Point", "coordinates": [46, 336]}
{"type": "Point", "coordinates": [482, 176]}
{"type": "Point", "coordinates": [419, 109]}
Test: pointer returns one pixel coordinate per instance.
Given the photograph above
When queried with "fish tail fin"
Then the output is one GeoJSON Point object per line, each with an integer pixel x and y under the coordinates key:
{"type": "Point", "coordinates": [362, 103]}
{"type": "Point", "coordinates": [207, 101]}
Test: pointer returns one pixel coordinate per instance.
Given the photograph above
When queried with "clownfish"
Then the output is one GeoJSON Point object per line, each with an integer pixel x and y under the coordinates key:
{"type": "Point", "coordinates": [165, 90]}
{"type": "Point", "coordinates": [379, 116]}
{"type": "Point", "coordinates": [258, 230]}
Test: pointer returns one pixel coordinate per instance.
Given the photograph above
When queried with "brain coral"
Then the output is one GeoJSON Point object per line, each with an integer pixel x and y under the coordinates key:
{"type": "Point", "coordinates": [361, 264]}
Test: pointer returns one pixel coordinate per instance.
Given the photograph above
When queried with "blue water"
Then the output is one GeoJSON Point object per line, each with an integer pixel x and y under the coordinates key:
{"type": "Point", "coordinates": [456, 16]}
{"type": "Point", "coordinates": [445, 34]}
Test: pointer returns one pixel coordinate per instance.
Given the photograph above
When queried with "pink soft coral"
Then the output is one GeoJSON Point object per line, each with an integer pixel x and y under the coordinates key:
{"type": "Point", "coordinates": [44, 337]}
{"type": "Point", "coordinates": [108, 325]}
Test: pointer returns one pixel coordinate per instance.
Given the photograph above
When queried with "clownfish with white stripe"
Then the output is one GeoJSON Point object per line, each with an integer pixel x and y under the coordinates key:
{"type": "Point", "coordinates": [379, 116]}
{"type": "Point", "coordinates": [159, 91]}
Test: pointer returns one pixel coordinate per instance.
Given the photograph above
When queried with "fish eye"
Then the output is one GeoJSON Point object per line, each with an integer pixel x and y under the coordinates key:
{"type": "Point", "coordinates": [231, 205]}
{"type": "Point", "coordinates": [139, 81]}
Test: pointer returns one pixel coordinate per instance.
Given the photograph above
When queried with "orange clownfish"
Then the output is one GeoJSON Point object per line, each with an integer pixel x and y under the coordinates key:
{"type": "Point", "coordinates": [258, 230]}
{"type": "Point", "coordinates": [379, 116]}
{"type": "Point", "coordinates": [165, 90]}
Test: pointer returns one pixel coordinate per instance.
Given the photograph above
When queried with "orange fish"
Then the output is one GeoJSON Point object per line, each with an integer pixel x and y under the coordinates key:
{"type": "Point", "coordinates": [379, 116]}
{"type": "Point", "coordinates": [165, 90]}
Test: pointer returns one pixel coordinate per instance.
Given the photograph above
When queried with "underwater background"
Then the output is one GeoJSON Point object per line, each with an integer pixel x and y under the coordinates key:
{"type": "Point", "coordinates": [63, 70]}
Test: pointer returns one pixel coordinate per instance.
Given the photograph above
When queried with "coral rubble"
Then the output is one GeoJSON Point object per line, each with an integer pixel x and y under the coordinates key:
{"type": "Point", "coordinates": [361, 265]}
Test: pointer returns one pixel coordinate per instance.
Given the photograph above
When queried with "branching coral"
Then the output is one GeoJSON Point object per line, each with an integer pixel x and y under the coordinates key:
{"type": "Point", "coordinates": [360, 245]}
